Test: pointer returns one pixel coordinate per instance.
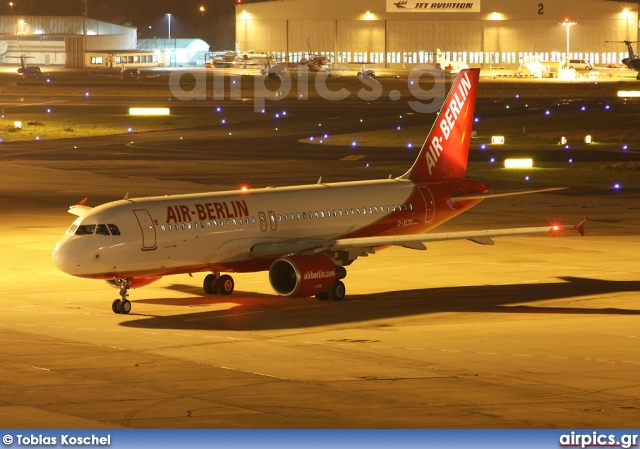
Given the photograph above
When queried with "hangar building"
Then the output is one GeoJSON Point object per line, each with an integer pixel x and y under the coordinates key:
{"type": "Point", "coordinates": [402, 33]}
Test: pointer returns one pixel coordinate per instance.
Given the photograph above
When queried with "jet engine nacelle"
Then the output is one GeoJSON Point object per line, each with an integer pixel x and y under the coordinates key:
{"type": "Point", "coordinates": [136, 282]}
{"type": "Point", "coordinates": [302, 276]}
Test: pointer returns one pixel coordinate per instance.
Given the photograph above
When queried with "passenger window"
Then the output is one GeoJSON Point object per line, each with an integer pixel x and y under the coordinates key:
{"type": "Point", "coordinates": [228, 222]}
{"type": "Point", "coordinates": [85, 229]}
{"type": "Point", "coordinates": [163, 228]}
{"type": "Point", "coordinates": [364, 211]}
{"type": "Point", "coordinates": [114, 229]}
{"type": "Point", "coordinates": [298, 215]}
{"type": "Point", "coordinates": [304, 215]}
{"type": "Point", "coordinates": [340, 212]}
{"type": "Point", "coordinates": [189, 225]}
{"type": "Point", "coordinates": [346, 211]}
{"type": "Point", "coordinates": [215, 223]}
{"type": "Point", "coordinates": [253, 220]}
{"type": "Point", "coordinates": [235, 222]}
{"type": "Point", "coordinates": [279, 217]}
{"type": "Point", "coordinates": [221, 222]}
{"type": "Point", "coordinates": [169, 227]}
{"type": "Point", "coordinates": [370, 210]}
{"type": "Point", "coordinates": [322, 214]}
{"type": "Point", "coordinates": [286, 218]}
{"type": "Point", "coordinates": [376, 209]}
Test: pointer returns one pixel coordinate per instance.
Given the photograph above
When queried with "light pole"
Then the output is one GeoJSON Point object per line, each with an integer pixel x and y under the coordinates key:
{"type": "Point", "coordinates": [568, 25]}
{"type": "Point", "coordinates": [11, 6]}
{"type": "Point", "coordinates": [169, 15]}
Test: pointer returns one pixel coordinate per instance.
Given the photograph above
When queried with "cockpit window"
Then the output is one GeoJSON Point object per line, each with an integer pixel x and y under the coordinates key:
{"type": "Point", "coordinates": [99, 229]}
{"type": "Point", "coordinates": [85, 229]}
{"type": "Point", "coordinates": [102, 229]}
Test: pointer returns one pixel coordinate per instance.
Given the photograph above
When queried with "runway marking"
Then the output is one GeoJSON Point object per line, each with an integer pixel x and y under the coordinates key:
{"type": "Point", "coordinates": [37, 367]}
{"type": "Point", "coordinates": [580, 393]}
{"type": "Point", "coordinates": [354, 157]}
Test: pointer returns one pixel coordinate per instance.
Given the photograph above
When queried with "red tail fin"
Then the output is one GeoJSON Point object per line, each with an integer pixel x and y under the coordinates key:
{"type": "Point", "coordinates": [446, 150]}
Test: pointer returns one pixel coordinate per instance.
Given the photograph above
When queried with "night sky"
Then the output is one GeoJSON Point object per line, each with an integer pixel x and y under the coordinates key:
{"type": "Point", "coordinates": [216, 25]}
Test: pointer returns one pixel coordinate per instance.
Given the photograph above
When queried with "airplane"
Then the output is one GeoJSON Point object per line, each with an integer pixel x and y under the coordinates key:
{"type": "Point", "coordinates": [316, 62]}
{"type": "Point", "coordinates": [32, 71]}
{"type": "Point", "coordinates": [131, 73]}
{"type": "Point", "coordinates": [447, 66]}
{"type": "Point", "coordinates": [633, 61]}
{"type": "Point", "coordinates": [303, 236]}
{"type": "Point", "coordinates": [367, 73]}
{"type": "Point", "coordinates": [275, 71]}
{"type": "Point", "coordinates": [248, 55]}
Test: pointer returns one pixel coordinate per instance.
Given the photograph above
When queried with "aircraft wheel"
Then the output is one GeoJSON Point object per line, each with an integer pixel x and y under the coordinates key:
{"type": "Point", "coordinates": [115, 306]}
{"type": "Point", "coordinates": [209, 284]}
{"type": "Point", "coordinates": [125, 306]}
{"type": "Point", "coordinates": [225, 284]}
{"type": "Point", "coordinates": [337, 291]}
{"type": "Point", "coordinates": [322, 295]}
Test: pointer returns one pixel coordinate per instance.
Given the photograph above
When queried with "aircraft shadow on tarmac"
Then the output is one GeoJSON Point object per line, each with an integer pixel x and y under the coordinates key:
{"type": "Point", "coordinates": [248, 310]}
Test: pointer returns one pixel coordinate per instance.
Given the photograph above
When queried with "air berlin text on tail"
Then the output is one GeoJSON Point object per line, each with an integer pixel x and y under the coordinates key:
{"type": "Point", "coordinates": [454, 108]}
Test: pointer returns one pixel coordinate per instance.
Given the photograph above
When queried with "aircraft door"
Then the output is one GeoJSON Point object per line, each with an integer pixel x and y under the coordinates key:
{"type": "Point", "coordinates": [429, 202]}
{"type": "Point", "coordinates": [263, 221]}
{"type": "Point", "coordinates": [147, 228]}
{"type": "Point", "coordinates": [272, 219]}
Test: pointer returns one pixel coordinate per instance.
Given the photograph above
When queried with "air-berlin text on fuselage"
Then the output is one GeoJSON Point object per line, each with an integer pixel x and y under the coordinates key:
{"type": "Point", "coordinates": [454, 108]}
{"type": "Point", "coordinates": [207, 211]}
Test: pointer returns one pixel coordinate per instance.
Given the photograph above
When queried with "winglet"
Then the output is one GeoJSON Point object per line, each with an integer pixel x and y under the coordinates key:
{"type": "Point", "coordinates": [80, 208]}
{"type": "Point", "coordinates": [580, 226]}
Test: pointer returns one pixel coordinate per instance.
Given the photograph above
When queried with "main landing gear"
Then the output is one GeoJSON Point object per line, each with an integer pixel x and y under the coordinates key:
{"type": "Point", "coordinates": [122, 304]}
{"type": "Point", "coordinates": [216, 284]}
{"type": "Point", "coordinates": [336, 292]}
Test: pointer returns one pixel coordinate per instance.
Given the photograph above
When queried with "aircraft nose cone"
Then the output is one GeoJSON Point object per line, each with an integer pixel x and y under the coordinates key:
{"type": "Point", "coordinates": [64, 259]}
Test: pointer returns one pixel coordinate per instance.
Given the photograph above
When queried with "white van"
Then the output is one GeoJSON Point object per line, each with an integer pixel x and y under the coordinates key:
{"type": "Point", "coordinates": [580, 64]}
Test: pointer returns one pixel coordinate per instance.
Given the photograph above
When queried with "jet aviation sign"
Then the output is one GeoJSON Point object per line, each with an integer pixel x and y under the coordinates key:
{"type": "Point", "coordinates": [413, 6]}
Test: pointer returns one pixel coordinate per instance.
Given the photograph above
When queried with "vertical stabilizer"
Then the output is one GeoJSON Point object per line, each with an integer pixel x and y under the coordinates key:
{"type": "Point", "coordinates": [445, 152]}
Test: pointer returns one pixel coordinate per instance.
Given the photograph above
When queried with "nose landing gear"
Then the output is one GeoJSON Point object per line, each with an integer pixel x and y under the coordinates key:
{"type": "Point", "coordinates": [122, 305]}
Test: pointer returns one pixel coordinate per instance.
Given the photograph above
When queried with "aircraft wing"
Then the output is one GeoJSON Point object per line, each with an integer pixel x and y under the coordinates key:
{"type": "Point", "coordinates": [361, 246]}
{"type": "Point", "coordinates": [482, 196]}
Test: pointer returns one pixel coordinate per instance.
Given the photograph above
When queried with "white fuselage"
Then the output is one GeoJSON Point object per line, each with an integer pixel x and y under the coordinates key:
{"type": "Point", "coordinates": [217, 231]}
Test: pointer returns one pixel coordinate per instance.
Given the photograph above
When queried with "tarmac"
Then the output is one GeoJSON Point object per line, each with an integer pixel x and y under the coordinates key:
{"type": "Point", "coordinates": [533, 332]}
